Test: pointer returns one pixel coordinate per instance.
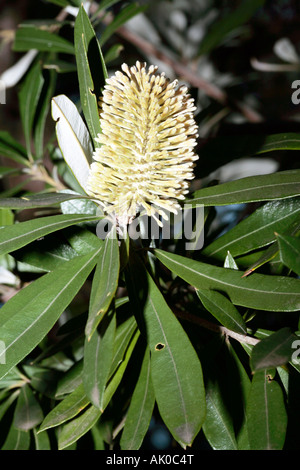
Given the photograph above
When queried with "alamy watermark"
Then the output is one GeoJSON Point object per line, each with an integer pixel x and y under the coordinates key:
{"type": "Point", "coordinates": [296, 354]}
{"type": "Point", "coordinates": [2, 92]}
{"type": "Point", "coordinates": [2, 352]}
{"type": "Point", "coordinates": [186, 225]}
{"type": "Point", "coordinates": [296, 94]}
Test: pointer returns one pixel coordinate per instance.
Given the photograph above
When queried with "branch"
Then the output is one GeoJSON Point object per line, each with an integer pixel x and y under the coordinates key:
{"type": "Point", "coordinates": [182, 70]}
{"type": "Point", "coordinates": [215, 328]}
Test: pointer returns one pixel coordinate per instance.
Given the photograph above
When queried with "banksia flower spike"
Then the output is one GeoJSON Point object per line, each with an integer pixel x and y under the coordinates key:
{"type": "Point", "coordinates": [146, 155]}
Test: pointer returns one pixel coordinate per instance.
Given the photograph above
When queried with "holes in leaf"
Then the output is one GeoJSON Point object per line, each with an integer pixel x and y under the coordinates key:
{"type": "Point", "coordinates": [159, 346]}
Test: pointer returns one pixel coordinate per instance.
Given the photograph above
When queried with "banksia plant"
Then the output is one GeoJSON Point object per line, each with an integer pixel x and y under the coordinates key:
{"type": "Point", "coordinates": [146, 155]}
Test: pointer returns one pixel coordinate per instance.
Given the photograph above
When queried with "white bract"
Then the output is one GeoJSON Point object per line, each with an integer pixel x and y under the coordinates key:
{"type": "Point", "coordinates": [73, 138]}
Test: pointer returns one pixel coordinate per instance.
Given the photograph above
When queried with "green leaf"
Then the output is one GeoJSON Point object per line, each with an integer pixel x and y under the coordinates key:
{"type": "Point", "coordinates": [239, 377]}
{"type": "Point", "coordinates": [289, 251]}
{"type": "Point", "coordinates": [273, 351]}
{"type": "Point", "coordinates": [218, 425]}
{"type": "Point", "coordinates": [6, 217]}
{"type": "Point", "coordinates": [280, 185]}
{"type": "Point", "coordinates": [118, 374]}
{"type": "Point", "coordinates": [30, 314]}
{"type": "Point", "coordinates": [73, 138]}
{"type": "Point", "coordinates": [272, 252]}
{"type": "Point", "coordinates": [103, 286]}
{"type": "Point", "coordinates": [122, 17]}
{"type": "Point", "coordinates": [37, 200]}
{"type": "Point", "coordinates": [266, 413]}
{"type": "Point", "coordinates": [61, 3]}
{"type": "Point", "coordinates": [176, 377]}
{"type": "Point", "coordinates": [28, 413]}
{"type": "Point", "coordinates": [82, 240]}
{"type": "Point", "coordinates": [256, 230]}
{"type": "Point", "coordinates": [15, 189]}
{"type": "Point", "coordinates": [28, 98]}
{"type": "Point", "coordinates": [233, 19]}
{"type": "Point", "coordinates": [88, 58]}
{"type": "Point", "coordinates": [7, 402]}
{"type": "Point", "coordinates": [258, 291]}
{"type": "Point", "coordinates": [42, 112]}
{"type": "Point", "coordinates": [11, 149]}
{"type": "Point", "coordinates": [15, 236]}
{"type": "Point", "coordinates": [124, 333]}
{"type": "Point", "coordinates": [76, 428]}
{"type": "Point", "coordinates": [16, 440]}
{"type": "Point", "coordinates": [13, 379]}
{"type": "Point", "coordinates": [104, 5]}
{"type": "Point", "coordinates": [140, 409]}
{"type": "Point", "coordinates": [29, 37]}
{"type": "Point", "coordinates": [59, 66]}
{"type": "Point", "coordinates": [222, 309]}
{"type": "Point", "coordinates": [42, 441]}
{"type": "Point", "coordinates": [41, 379]}
{"type": "Point", "coordinates": [8, 171]}
{"type": "Point", "coordinates": [98, 356]}
{"type": "Point", "coordinates": [45, 254]}
{"type": "Point", "coordinates": [67, 409]}
{"type": "Point", "coordinates": [70, 380]}
{"type": "Point", "coordinates": [223, 149]}
{"type": "Point", "coordinates": [79, 206]}
{"type": "Point", "coordinates": [113, 53]}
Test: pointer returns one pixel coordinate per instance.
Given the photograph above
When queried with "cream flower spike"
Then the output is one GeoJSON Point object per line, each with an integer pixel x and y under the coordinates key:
{"type": "Point", "coordinates": [146, 156]}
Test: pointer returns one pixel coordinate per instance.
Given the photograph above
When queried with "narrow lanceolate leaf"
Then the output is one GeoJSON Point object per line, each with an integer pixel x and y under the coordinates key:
{"type": "Point", "coordinates": [118, 374]}
{"type": "Point", "coordinates": [73, 430]}
{"type": "Point", "coordinates": [37, 200]}
{"type": "Point", "coordinates": [12, 149]}
{"type": "Point", "coordinates": [240, 378]}
{"type": "Point", "coordinates": [273, 351]}
{"type": "Point", "coordinates": [232, 20]}
{"type": "Point", "coordinates": [28, 316]}
{"type": "Point", "coordinates": [140, 409]}
{"type": "Point", "coordinates": [124, 334]}
{"type": "Point", "coordinates": [258, 291]}
{"type": "Point", "coordinates": [289, 251]}
{"type": "Point", "coordinates": [273, 250]}
{"type": "Point", "coordinates": [223, 149]}
{"type": "Point", "coordinates": [279, 185]}
{"type": "Point", "coordinates": [15, 236]}
{"type": "Point", "coordinates": [88, 58]}
{"type": "Point", "coordinates": [16, 440]}
{"type": "Point", "coordinates": [73, 137]}
{"type": "Point", "coordinates": [105, 282]}
{"type": "Point", "coordinates": [41, 116]}
{"type": "Point", "coordinates": [222, 309]}
{"type": "Point", "coordinates": [266, 413]}
{"type": "Point", "coordinates": [42, 441]}
{"type": "Point", "coordinates": [256, 230]}
{"type": "Point", "coordinates": [28, 37]}
{"type": "Point", "coordinates": [28, 413]}
{"type": "Point", "coordinates": [70, 380]}
{"type": "Point", "coordinates": [46, 254]}
{"type": "Point", "coordinates": [98, 356]}
{"type": "Point", "coordinates": [124, 15]}
{"type": "Point", "coordinates": [67, 409]}
{"type": "Point", "coordinates": [218, 426]}
{"type": "Point", "coordinates": [175, 368]}
{"type": "Point", "coordinates": [28, 98]}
